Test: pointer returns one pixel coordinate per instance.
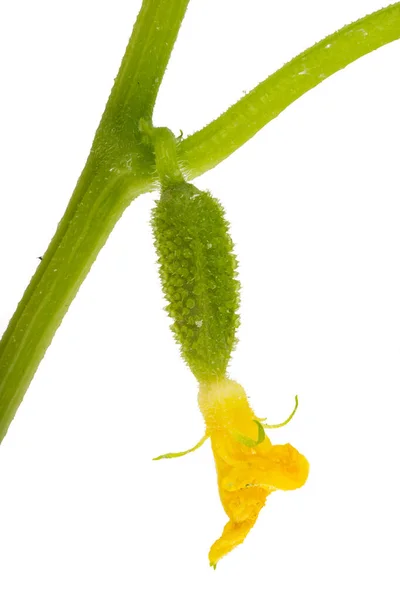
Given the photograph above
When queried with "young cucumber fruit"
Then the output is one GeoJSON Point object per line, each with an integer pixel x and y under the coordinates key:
{"type": "Point", "coordinates": [198, 275]}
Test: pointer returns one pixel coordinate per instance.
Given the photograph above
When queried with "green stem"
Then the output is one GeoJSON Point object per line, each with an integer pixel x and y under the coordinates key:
{"type": "Point", "coordinates": [142, 69]}
{"type": "Point", "coordinates": [96, 208]}
{"type": "Point", "coordinates": [206, 148]}
{"type": "Point", "coordinates": [164, 146]}
{"type": "Point", "coordinates": [119, 168]}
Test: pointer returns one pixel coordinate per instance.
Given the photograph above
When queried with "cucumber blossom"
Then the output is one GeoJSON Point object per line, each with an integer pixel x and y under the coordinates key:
{"type": "Point", "coordinates": [198, 275]}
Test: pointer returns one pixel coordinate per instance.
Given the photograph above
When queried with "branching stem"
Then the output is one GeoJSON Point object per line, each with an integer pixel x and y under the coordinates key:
{"type": "Point", "coordinates": [208, 147]}
{"type": "Point", "coordinates": [120, 166]}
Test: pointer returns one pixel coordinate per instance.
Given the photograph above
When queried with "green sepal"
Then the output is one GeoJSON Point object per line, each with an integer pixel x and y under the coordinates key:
{"type": "Point", "coordinates": [178, 454]}
{"type": "Point", "coordinates": [286, 421]}
{"type": "Point", "coordinates": [249, 442]}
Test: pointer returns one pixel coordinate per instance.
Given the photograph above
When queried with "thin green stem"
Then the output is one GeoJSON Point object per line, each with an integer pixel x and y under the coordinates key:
{"type": "Point", "coordinates": [206, 148]}
{"type": "Point", "coordinates": [165, 152]}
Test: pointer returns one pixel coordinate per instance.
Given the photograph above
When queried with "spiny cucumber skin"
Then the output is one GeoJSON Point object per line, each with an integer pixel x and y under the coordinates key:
{"type": "Point", "coordinates": [198, 276]}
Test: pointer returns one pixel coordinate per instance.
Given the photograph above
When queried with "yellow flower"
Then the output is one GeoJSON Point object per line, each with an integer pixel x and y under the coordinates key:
{"type": "Point", "coordinates": [249, 467]}
{"type": "Point", "coordinates": [247, 471]}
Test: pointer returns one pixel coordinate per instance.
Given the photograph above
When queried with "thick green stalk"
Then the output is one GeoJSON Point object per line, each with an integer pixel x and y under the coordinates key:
{"type": "Point", "coordinates": [119, 168]}
{"type": "Point", "coordinates": [81, 234]}
{"type": "Point", "coordinates": [146, 58]}
{"type": "Point", "coordinates": [206, 148]}
{"type": "Point", "coordinates": [136, 87]}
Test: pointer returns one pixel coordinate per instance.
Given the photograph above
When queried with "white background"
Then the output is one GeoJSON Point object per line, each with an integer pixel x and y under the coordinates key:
{"type": "Point", "coordinates": [314, 204]}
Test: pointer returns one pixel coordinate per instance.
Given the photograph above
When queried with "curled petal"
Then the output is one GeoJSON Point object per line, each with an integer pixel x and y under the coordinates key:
{"type": "Point", "coordinates": [243, 504]}
{"type": "Point", "coordinates": [242, 507]}
{"type": "Point", "coordinates": [233, 535]}
{"type": "Point", "coordinates": [283, 469]}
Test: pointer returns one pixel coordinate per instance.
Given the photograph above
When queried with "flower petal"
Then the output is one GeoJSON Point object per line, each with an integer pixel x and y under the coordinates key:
{"type": "Point", "coordinates": [243, 504]}
{"type": "Point", "coordinates": [232, 452]}
{"type": "Point", "coordinates": [232, 535]}
{"type": "Point", "coordinates": [283, 469]}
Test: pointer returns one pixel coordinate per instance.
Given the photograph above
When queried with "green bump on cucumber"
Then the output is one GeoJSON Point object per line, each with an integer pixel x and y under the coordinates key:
{"type": "Point", "coordinates": [198, 275]}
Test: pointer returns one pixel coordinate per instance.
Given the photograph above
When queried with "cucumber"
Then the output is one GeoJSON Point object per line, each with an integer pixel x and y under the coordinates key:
{"type": "Point", "coordinates": [198, 271]}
